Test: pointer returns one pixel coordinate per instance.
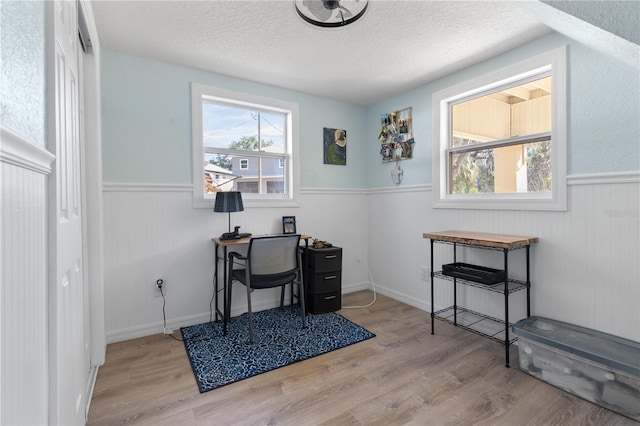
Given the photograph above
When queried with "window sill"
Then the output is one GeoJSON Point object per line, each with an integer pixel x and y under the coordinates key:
{"type": "Point", "coordinates": [250, 203]}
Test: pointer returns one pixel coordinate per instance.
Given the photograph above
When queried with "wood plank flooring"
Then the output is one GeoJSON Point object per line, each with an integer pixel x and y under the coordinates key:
{"type": "Point", "coordinates": [405, 375]}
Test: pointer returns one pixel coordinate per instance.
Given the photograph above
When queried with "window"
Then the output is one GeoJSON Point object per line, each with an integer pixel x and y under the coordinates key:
{"type": "Point", "coordinates": [500, 140]}
{"type": "Point", "coordinates": [248, 143]}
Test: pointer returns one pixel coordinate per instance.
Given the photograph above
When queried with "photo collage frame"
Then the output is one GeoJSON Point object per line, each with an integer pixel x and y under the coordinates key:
{"type": "Point", "coordinates": [396, 135]}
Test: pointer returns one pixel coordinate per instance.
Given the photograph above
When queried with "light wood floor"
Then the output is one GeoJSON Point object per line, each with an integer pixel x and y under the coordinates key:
{"type": "Point", "coordinates": [405, 375]}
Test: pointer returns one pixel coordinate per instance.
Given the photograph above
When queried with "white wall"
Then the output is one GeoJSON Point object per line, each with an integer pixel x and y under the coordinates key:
{"type": "Point", "coordinates": [24, 168]}
{"type": "Point", "coordinates": [153, 231]}
{"type": "Point", "coordinates": [24, 348]}
{"type": "Point", "coordinates": [584, 270]}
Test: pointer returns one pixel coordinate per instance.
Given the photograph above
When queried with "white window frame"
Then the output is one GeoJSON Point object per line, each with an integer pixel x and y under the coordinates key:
{"type": "Point", "coordinates": [292, 179]}
{"type": "Point", "coordinates": [246, 163]}
{"type": "Point", "coordinates": [551, 63]}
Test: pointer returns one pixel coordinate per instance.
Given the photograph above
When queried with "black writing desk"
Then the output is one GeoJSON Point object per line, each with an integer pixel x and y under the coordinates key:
{"type": "Point", "coordinates": [225, 314]}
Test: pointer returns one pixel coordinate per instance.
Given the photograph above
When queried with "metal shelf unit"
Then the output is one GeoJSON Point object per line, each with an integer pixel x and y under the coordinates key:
{"type": "Point", "coordinates": [484, 325]}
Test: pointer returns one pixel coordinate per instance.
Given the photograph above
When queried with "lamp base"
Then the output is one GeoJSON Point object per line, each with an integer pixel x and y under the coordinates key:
{"type": "Point", "coordinates": [229, 236]}
{"type": "Point", "coordinates": [233, 236]}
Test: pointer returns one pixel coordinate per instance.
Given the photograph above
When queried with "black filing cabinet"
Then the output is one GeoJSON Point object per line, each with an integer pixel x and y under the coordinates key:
{"type": "Point", "coordinates": [323, 279]}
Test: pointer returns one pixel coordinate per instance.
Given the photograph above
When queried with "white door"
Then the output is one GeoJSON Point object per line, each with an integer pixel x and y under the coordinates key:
{"type": "Point", "coordinates": [66, 287]}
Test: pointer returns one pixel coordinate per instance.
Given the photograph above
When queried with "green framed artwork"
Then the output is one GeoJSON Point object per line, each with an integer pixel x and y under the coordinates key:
{"type": "Point", "coordinates": [335, 146]}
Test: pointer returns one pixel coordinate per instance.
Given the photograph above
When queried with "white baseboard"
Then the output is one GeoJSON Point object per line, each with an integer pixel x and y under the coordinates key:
{"type": "Point", "coordinates": [158, 326]}
{"type": "Point", "coordinates": [155, 327]}
{"type": "Point", "coordinates": [401, 297]}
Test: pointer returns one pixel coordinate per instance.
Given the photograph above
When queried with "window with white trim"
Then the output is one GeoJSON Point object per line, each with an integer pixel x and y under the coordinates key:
{"type": "Point", "coordinates": [500, 140]}
{"type": "Point", "coordinates": [248, 142]}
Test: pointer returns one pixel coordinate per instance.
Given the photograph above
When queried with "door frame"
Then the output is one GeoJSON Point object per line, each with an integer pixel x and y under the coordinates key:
{"type": "Point", "coordinates": [91, 159]}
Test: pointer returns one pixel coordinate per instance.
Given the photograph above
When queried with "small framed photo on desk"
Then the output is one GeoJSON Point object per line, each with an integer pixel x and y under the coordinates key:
{"type": "Point", "coordinates": [288, 224]}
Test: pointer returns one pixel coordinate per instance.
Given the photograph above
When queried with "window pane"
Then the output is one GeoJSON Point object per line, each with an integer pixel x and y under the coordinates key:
{"type": "Point", "coordinates": [232, 127]}
{"type": "Point", "coordinates": [272, 132]}
{"type": "Point", "coordinates": [245, 174]}
{"type": "Point", "coordinates": [272, 176]}
{"type": "Point", "coordinates": [520, 110]}
{"type": "Point", "coordinates": [508, 169]}
{"type": "Point", "coordinates": [217, 173]}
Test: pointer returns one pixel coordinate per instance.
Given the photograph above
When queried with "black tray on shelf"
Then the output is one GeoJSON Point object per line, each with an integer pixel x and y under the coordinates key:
{"type": "Point", "coordinates": [479, 274]}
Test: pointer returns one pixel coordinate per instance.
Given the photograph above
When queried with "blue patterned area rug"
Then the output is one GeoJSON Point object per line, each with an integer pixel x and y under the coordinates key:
{"type": "Point", "coordinates": [279, 340]}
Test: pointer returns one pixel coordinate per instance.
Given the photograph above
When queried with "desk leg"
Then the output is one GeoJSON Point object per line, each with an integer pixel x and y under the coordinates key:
{"type": "Point", "coordinates": [225, 286]}
{"type": "Point", "coordinates": [216, 258]}
{"type": "Point", "coordinates": [302, 268]}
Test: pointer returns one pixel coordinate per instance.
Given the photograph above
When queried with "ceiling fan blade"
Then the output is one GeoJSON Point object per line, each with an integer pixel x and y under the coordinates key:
{"type": "Point", "coordinates": [316, 7]}
{"type": "Point", "coordinates": [346, 13]}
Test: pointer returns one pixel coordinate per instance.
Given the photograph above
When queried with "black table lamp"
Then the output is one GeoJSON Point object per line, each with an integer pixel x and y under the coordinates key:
{"type": "Point", "coordinates": [227, 202]}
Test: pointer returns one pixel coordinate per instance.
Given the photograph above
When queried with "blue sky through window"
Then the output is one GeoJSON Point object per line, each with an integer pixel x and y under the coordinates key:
{"type": "Point", "coordinates": [223, 124]}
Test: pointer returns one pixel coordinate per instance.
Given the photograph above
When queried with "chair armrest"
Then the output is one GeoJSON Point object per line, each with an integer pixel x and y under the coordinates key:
{"type": "Point", "coordinates": [234, 257]}
{"type": "Point", "coordinates": [235, 254]}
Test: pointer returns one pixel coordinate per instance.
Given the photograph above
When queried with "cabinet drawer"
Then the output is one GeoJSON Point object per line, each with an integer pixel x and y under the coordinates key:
{"type": "Point", "coordinates": [327, 281]}
{"type": "Point", "coordinates": [326, 302]}
{"type": "Point", "coordinates": [325, 260]}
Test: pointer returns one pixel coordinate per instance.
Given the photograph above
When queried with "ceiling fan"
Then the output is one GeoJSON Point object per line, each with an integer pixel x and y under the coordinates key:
{"type": "Point", "coordinates": [331, 13]}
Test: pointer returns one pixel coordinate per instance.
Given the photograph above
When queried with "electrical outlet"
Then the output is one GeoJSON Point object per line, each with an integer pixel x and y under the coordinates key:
{"type": "Point", "coordinates": [159, 287]}
{"type": "Point", "coordinates": [425, 273]}
{"type": "Point", "coordinates": [168, 330]}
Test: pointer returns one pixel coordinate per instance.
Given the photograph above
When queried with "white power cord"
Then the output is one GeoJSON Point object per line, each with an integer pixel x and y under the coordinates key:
{"type": "Point", "coordinates": [373, 284]}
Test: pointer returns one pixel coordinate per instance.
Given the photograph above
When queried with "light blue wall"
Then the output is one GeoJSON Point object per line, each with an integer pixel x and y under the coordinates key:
{"type": "Point", "coordinates": [146, 122]}
{"type": "Point", "coordinates": [603, 112]}
{"type": "Point", "coordinates": [22, 69]}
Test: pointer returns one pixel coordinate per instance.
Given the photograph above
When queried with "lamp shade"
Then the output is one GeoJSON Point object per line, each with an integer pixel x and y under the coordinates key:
{"type": "Point", "coordinates": [227, 202]}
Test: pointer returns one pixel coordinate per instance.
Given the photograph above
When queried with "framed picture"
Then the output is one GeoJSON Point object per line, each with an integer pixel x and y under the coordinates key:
{"type": "Point", "coordinates": [288, 224]}
{"type": "Point", "coordinates": [396, 135]}
{"type": "Point", "coordinates": [335, 146]}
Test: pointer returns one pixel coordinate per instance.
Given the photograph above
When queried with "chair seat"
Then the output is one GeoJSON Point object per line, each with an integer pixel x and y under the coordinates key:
{"type": "Point", "coordinates": [267, 282]}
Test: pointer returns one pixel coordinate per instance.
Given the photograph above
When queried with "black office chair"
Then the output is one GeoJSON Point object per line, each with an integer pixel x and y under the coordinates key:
{"type": "Point", "coordinates": [271, 261]}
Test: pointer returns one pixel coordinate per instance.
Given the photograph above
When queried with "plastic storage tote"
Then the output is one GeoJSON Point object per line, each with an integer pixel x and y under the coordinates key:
{"type": "Point", "coordinates": [596, 366]}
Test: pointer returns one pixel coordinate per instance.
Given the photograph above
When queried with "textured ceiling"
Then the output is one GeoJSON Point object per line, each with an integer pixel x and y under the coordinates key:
{"type": "Point", "coordinates": [396, 46]}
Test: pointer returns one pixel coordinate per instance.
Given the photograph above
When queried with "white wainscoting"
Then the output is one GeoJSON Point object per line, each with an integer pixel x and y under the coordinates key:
{"type": "Point", "coordinates": [152, 231]}
{"type": "Point", "coordinates": [585, 269]}
{"type": "Point", "coordinates": [24, 349]}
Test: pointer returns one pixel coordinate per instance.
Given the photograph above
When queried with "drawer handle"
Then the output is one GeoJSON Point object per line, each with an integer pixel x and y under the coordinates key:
{"type": "Point", "coordinates": [330, 277]}
{"type": "Point", "coordinates": [331, 256]}
{"type": "Point", "coordinates": [329, 297]}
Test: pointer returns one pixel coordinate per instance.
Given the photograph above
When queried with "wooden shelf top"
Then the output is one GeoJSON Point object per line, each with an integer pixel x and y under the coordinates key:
{"type": "Point", "coordinates": [482, 239]}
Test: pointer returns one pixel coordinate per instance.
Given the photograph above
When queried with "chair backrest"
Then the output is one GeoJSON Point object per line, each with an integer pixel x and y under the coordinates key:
{"type": "Point", "coordinates": [273, 254]}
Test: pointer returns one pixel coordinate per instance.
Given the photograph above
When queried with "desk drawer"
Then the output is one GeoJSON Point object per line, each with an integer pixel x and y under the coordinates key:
{"type": "Point", "coordinates": [325, 282]}
{"type": "Point", "coordinates": [324, 260]}
{"type": "Point", "coordinates": [325, 302]}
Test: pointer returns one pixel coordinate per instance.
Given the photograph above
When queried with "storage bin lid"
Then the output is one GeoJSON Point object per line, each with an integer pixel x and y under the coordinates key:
{"type": "Point", "coordinates": [605, 349]}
